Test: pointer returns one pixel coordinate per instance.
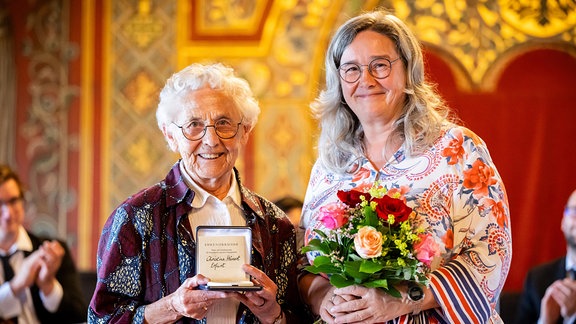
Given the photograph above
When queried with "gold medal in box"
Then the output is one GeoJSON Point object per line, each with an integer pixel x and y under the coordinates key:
{"type": "Point", "coordinates": [220, 253]}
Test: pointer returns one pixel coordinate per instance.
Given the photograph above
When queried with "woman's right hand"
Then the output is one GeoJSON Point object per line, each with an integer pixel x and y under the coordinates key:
{"type": "Point", "coordinates": [189, 301]}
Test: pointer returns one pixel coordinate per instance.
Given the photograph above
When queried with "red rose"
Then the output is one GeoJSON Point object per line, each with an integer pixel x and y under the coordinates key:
{"type": "Point", "coordinates": [388, 205]}
{"type": "Point", "coordinates": [352, 197]}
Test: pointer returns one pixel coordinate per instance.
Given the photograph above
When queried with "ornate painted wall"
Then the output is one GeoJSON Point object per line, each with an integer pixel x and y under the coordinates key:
{"type": "Point", "coordinates": [88, 74]}
{"type": "Point", "coordinates": [40, 97]}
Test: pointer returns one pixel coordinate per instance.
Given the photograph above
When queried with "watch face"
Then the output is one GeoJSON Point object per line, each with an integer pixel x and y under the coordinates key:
{"type": "Point", "coordinates": [415, 293]}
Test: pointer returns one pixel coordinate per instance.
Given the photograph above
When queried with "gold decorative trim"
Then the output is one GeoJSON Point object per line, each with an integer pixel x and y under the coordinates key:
{"type": "Point", "coordinates": [86, 177]}
{"type": "Point", "coordinates": [478, 34]}
{"type": "Point", "coordinates": [220, 9]}
{"type": "Point", "coordinates": [106, 112]}
{"type": "Point", "coordinates": [190, 52]}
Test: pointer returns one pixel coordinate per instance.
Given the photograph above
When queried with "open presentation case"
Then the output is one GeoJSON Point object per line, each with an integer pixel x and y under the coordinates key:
{"type": "Point", "coordinates": [220, 253]}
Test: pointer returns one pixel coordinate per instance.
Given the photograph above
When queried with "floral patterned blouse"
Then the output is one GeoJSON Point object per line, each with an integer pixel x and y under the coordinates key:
{"type": "Point", "coordinates": [458, 195]}
{"type": "Point", "coordinates": [146, 251]}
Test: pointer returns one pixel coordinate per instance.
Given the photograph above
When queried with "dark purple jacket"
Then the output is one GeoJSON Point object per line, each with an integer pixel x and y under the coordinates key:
{"type": "Point", "coordinates": [146, 251]}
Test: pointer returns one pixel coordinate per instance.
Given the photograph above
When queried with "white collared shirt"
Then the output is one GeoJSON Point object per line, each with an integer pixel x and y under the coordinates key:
{"type": "Point", "coordinates": [22, 305]}
{"type": "Point", "coordinates": [570, 257]}
{"type": "Point", "coordinates": [209, 210]}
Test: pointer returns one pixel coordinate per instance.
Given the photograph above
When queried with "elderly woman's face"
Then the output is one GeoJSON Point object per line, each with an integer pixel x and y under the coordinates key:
{"type": "Point", "coordinates": [208, 160]}
{"type": "Point", "coordinates": [370, 98]}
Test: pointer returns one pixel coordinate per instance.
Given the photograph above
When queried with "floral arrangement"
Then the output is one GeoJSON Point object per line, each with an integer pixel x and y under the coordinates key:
{"type": "Point", "coordinates": [371, 241]}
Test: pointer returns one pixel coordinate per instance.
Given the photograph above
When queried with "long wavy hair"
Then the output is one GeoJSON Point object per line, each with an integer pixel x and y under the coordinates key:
{"type": "Point", "coordinates": [424, 115]}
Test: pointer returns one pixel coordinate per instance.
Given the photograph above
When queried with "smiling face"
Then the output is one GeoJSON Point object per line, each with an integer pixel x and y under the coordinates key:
{"type": "Point", "coordinates": [209, 160]}
{"type": "Point", "coordinates": [370, 98]}
{"type": "Point", "coordinates": [11, 212]}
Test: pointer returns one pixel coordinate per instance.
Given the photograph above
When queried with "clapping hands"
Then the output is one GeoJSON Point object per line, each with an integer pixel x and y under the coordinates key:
{"type": "Point", "coordinates": [40, 268]}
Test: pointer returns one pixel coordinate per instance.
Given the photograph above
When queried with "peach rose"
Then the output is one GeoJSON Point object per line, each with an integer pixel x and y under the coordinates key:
{"type": "Point", "coordinates": [368, 242]}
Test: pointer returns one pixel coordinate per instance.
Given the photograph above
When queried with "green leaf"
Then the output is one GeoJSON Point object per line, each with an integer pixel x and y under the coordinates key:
{"type": "Point", "coordinates": [369, 266]}
{"type": "Point", "coordinates": [321, 233]}
{"type": "Point", "coordinates": [340, 281]}
{"type": "Point", "coordinates": [378, 283]}
{"type": "Point", "coordinates": [321, 260]}
{"type": "Point", "coordinates": [354, 257]}
{"type": "Point", "coordinates": [330, 269]}
{"type": "Point", "coordinates": [371, 217]}
{"type": "Point", "coordinates": [333, 246]}
{"type": "Point", "coordinates": [318, 245]}
{"type": "Point", "coordinates": [325, 268]}
{"type": "Point", "coordinates": [394, 292]}
{"type": "Point", "coordinates": [353, 271]}
{"type": "Point", "coordinates": [323, 264]}
{"type": "Point", "coordinates": [313, 245]}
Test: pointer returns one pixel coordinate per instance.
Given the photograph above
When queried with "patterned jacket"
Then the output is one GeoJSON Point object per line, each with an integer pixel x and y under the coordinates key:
{"type": "Point", "coordinates": [458, 195]}
{"type": "Point", "coordinates": [146, 252]}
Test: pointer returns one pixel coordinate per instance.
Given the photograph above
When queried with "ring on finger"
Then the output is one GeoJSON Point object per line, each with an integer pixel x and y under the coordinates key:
{"type": "Point", "coordinates": [205, 308]}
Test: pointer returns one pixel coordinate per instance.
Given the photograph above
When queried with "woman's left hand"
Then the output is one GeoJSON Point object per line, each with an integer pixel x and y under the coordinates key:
{"type": "Point", "coordinates": [367, 305]}
{"type": "Point", "coordinates": [262, 302]}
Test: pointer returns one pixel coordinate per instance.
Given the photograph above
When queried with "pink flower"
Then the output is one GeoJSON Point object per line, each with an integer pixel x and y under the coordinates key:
{"type": "Point", "coordinates": [368, 242]}
{"type": "Point", "coordinates": [333, 215]}
{"type": "Point", "coordinates": [426, 249]}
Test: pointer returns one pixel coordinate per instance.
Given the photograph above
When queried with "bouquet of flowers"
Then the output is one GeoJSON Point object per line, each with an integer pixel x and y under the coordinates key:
{"type": "Point", "coordinates": [371, 241]}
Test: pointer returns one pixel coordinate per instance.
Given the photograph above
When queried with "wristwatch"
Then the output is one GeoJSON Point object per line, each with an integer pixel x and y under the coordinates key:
{"type": "Point", "coordinates": [416, 295]}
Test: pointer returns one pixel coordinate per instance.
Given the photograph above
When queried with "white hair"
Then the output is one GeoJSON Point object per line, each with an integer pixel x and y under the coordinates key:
{"type": "Point", "coordinates": [197, 76]}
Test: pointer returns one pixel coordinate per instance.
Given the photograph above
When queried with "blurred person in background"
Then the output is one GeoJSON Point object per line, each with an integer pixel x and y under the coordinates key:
{"type": "Point", "coordinates": [39, 281]}
{"type": "Point", "coordinates": [549, 292]}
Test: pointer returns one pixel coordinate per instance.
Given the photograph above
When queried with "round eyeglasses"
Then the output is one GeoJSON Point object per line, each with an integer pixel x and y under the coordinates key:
{"type": "Point", "coordinates": [196, 129]}
{"type": "Point", "coordinates": [11, 202]}
{"type": "Point", "coordinates": [379, 68]}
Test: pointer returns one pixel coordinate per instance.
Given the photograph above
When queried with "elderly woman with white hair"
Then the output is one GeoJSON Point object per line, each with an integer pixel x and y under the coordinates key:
{"type": "Point", "coordinates": [146, 255]}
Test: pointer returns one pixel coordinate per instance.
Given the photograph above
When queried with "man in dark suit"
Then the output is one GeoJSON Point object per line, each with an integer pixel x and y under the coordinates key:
{"type": "Point", "coordinates": [38, 278]}
{"type": "Point", "coordinates": [549, 294]}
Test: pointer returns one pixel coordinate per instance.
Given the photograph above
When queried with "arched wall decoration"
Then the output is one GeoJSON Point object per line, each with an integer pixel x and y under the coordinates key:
{"type": "Point", "coordinates": [480, 33]}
